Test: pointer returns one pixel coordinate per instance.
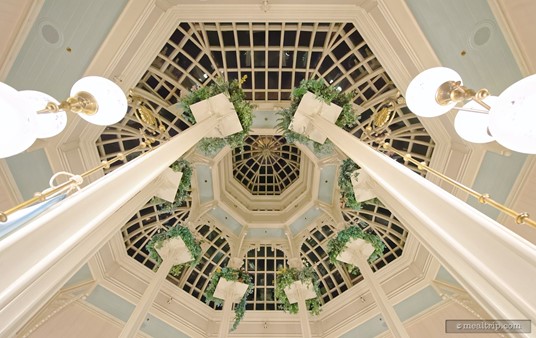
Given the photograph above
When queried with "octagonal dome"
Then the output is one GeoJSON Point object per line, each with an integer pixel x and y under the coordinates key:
{"type": "Point", "coordinates": [271, 200]}
{"type": "Point", "coordinates": [266, 165]}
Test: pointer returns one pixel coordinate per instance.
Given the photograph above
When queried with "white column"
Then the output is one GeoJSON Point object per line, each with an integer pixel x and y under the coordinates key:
{"type": "Point", "coordinates": [230, 292]}
{"type": "Point", "coordinates": [304, 318]}
{"type": "Point", "coordinates": [47, 243]}
{"type": "Point", "coordinates": [300, 292]}
{"type": "Point", "coordinates": [226, 315]}
{"type": "Point", "coordinates": [172, 252]}
{"type": "Point", "coordinates": [142, 308]}
{"type": "Point", "coordinates": [496, 266]}
{"type": "Point", "coordinates": [393, 321]}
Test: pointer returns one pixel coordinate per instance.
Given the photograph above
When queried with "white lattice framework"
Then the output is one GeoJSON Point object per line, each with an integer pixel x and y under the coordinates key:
{"type": "Point", "coordinates": [266, 165]}
{"type": "Point", "coordinates": [275, 57]}
{"type": "Point", "coordinates": [263, 263]}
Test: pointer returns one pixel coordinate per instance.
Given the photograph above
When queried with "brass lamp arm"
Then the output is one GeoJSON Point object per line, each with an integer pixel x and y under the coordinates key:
{"type": "Point", "coordinates": [73, 182]}
{"type": "Point", "coordinates": [81, 103]}
{"type": "Point", "coordinates": [520, 218]}
{"type": "Point", "coordinates": [454, 91]}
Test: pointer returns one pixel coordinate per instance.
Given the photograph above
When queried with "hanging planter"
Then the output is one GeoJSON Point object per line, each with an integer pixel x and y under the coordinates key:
{"type": "Point", "coordinates": [177, 233]}
{"type": "Point", "coordinates": [183, 190]}
{"type": "Point", "coordinates": [349, 240]}
{"type": "Point", "coordinates": [233, 285]}
{"type": "Point", "coordinates": [353, 196]}
{"type": "Point", "coordinates": [289, 281]}
{"type": "Point", "coordinates": [232, 95]}
{"type": "Point", "coordinates": [329, 95]}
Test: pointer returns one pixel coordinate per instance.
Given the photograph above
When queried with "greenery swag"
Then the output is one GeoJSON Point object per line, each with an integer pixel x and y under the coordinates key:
{"type": "Point", "coordinates": [235, 275]}
{"type": "Point", "coordinates": [285, 277]}
{"type": "Point", "coordinates": [338, 244]}
{"type": "Point", "coordinates": [191, 243]}
{"type": "Point", "coordinates": [244, 110]}
{"type": "Point", "coordinates": [326, 93]}
{"type": "Point", "coordinates": [346, 170]}
{"type": "Point", "coordinates": [183, 191]}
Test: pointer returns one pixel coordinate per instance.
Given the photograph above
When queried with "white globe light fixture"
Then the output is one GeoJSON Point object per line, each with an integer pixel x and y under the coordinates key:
{"type": "Point", "coordinates": [28, 115]}
{"type": "Point", "coordinates": [46, 124]}
{"type": "Point", "coordinates": [473, 126]}
{"type": "Point", "coordinates": [509, 119]}
{"type": "Point", "coordinates": [425, 95]}
{"type": "Point", "coordinates": [107, 102]}
{"type": "Point", "coordinates": [17, 128]}
{"type": "Point", "coordinates": [513, 117]}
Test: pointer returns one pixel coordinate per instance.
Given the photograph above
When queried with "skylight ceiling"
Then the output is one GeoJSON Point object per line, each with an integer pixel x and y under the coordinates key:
{"type": "Point", "coordinates": [267, 165]}
{"type": "Point", "coordinates": [275, 57]}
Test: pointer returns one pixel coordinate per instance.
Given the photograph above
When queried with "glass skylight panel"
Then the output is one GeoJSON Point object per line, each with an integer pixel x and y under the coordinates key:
{"type": "Point", "coordinates": [267, 165]}
{"type": "Point", "coordinates": [274, 57]}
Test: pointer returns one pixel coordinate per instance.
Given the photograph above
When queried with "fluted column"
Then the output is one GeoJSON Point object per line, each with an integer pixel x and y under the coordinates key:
{"type": "Point", "coordinates": [39, 257]}
{"type": "Point", "coordinates": [496, 266]}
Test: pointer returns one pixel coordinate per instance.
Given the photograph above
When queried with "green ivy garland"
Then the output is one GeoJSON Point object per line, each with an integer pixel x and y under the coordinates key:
{"type": "Point", "coordinates": [189, 240]}
{"type": "Point", "coordinates": [235, 275]}
{"type": "Point", "coordinates": [346, 170]}
{"type": "Point", "coordinates": [338, 244]}
{"type": "Point", "coordinates": [244, 110]}
{"type": "Point", "coordinates": [285, 277]}
{"type": "Point", "coordinates": [326, 93]}
{"type": "Point", "coordinates": [183, 191]}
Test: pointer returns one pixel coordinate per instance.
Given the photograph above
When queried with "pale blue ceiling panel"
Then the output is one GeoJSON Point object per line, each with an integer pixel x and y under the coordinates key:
{"type": "Point", "coordinates": [31, 172]}
{"type": "Point", "coordinates": [119, 308]}
{"type": "Point", "coordinates": [224, 218]}
{"type": "Point", "coordinates": [81, 276]}
{"type": "Point", "coordinates": [110, 303]}
{"type": "Point", "coordinates": [61, 44]}
{"type": "Point", "coordinates": [444, 276]}
{"type": "Point", "coordinates": [417, 303]}
{"type": "Point", "coordinates": [496, 177]}
{"type": "Point", "coordinates": [406, 309]}
{"type": "Point", "coordinates": [259, 233]}
{"type": "Point", "coordinates": [304, 220]}
{"type": "Point", "coordinates": [328, 177]}
{"type": "Point", "coordinates": [204, 183]}
{"type": "Point", "coordinates": [466, 37]}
